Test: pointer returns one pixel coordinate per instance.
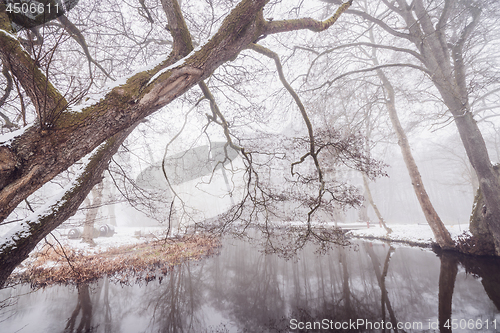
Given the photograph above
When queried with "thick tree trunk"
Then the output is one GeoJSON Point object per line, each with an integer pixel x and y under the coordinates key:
{"type": "Point", "coordinates": [483, 242]}
{"type": "Point", "coordinates": [83, 306]}
{"type": "Point", "coordinates": [386, 303]}
{"type": "Point", "coordinates": [17, 244]}
{"type": "Point", "coordinates": [363, 210]}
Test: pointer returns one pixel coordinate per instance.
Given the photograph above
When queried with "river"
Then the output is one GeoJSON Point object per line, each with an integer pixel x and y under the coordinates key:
{"type": "Point", "coordinates": [368, 287]}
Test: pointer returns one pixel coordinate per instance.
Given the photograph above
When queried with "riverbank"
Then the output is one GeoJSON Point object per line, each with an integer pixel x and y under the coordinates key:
{"type": "Point", "coordinates": [145, 253]}
{"type": "Point", "coordinates": [124, 259]}
{"type": "Point", "coordinates": [409, 234]}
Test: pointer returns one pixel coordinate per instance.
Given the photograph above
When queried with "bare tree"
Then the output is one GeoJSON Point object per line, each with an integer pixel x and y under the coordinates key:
{"type": "Point", "coordinates": [441, 234]}
{"type": "Point", "coordinates": [447, 41]}
{"type": "Point", "coordinates": [64, 133]}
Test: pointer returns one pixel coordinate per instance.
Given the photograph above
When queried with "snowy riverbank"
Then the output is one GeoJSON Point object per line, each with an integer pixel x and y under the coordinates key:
{"type": "Point", "coordinates": [123, 236]}
{"type": "Point", "coordinates": [141, 247]}
{"type": "Point", "coordinates": [412, 234]}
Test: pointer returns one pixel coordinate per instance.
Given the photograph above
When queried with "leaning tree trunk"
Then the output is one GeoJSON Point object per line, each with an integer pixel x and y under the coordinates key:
{"type": "Point", "coordinates": [48, 148]}
{"type": "Point", "coordinates": [363, 210]}
{"type": "Point", "coordinates": [34, 228]}
{"type": "Point", "coordinates": [372, 203]}
{"type": "Point", "coordinates": [443, 237]}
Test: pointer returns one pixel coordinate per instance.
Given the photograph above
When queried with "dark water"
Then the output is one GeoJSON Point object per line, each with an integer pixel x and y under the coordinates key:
{"type": "Point", "coordinates": [243, 290]}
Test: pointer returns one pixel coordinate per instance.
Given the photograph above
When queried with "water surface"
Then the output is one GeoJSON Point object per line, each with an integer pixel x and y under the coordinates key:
{"type": "Point", "coordinates": [243, 290]}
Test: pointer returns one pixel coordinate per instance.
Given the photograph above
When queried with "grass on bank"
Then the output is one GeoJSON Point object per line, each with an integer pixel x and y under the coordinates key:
{"type": "Point", "coordinates": [56, 264]}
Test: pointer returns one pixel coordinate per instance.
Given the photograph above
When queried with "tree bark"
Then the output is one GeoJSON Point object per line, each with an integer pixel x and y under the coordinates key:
{"type": "Point", "coordinates": [449, 76]}
{"type": "Point", "coordinates": [16, 245]}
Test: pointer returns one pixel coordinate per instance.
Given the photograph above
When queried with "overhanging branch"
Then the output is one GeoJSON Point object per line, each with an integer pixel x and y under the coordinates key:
{"type": "Point", "coordinates": [305, 23]}
{"type": "Point", "coordinates": [312, 145]}
{"type": "Point", "coordinates": [380, 23]}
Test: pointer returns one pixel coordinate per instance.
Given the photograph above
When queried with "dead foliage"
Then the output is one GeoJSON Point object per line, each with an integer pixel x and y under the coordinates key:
{"type": "Point", "coordinates": [124, 264]}
{"type": "Point", "coordinates": [469, 244]}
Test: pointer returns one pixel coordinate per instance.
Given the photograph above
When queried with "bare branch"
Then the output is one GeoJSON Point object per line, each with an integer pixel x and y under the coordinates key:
{"type": "Point", "coordinates": [330, 82]}
{"type": "Point", "coordinates": [76, 34]}
{"type": "Point", "coordinates": [380, 23]}
{"type": "Point", "coordinates": [305, 23]}
{"type": "Point", "coordinates": [373, 45]}
{"type": "Point", "coordinates": [312, 148]}
{"type": "Point", "coordinates": [3, 99]}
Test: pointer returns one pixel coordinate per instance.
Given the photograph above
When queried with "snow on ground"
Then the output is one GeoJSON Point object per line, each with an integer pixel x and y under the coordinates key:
{"type": "Point", "coordinates": [123, 236]}
{"type": "Point", "coordinates": [405, 234]}
{"type": "Point", "coordinates": [415, 233]}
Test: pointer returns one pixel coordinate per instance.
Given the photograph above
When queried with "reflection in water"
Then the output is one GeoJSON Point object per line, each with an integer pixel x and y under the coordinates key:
{"type": "Point", "coordinates": [243, 290]}
{"type": "Point", "coordinates": [84, 305]}
{"type": "Point", "coordinates": [385, 302]}
{"type": "Point", "coordinates": [489, 271]}
{"type": "Point", "coordinates": [447, 277]}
